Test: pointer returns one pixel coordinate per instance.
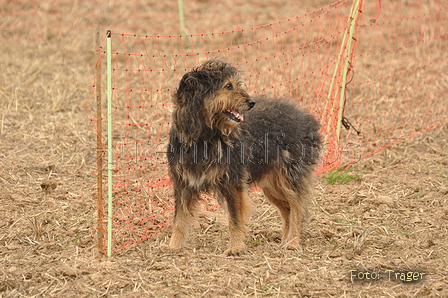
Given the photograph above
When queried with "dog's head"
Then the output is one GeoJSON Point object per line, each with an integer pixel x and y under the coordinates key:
{"type": "Point", "coordinates": [212, 95]}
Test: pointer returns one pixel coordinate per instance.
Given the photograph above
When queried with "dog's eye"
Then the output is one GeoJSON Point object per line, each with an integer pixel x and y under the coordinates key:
{"type": "Point", "coordinates": [228, 87]}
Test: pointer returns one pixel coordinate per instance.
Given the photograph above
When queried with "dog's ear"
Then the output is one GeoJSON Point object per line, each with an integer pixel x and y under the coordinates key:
{"type": "Point", "coordinates": [186, 89]}
{"type": "Point", "coordinates": [193, 88]}
{"type": "Point", "coordinates": [189, 100]}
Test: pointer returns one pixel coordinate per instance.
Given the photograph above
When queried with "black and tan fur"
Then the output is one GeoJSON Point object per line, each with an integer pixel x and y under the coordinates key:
{"type": "Point", "coordinates": [217, 145]}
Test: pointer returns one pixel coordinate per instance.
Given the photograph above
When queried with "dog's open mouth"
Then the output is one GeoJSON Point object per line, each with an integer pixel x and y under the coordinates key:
{"type": "Point", "coordinates": [235, 115]}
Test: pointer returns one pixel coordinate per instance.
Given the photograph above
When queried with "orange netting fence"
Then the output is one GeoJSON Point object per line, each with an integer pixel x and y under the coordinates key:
{"type": "Point", "coordinates": [378, 68]}
{"type": "Point", "coordinates": [292, 58]}
{"type": "Point", "coordinates": [399, 74]}
{"type": "Point", "coordinates": [392, 86]}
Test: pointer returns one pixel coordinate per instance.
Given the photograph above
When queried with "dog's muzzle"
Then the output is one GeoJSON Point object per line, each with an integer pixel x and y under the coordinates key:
{"type": "Point", "coordinates": [236, 116]}
{"type": "Point", "coordinates": [250, 103]}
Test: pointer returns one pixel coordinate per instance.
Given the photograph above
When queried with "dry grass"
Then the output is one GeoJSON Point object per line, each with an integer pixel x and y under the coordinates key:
{"type": "Point", "coordinates": [393, 216]}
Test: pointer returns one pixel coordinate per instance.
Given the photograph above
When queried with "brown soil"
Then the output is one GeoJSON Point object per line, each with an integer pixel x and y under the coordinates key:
{"type": "Point", "coordinates": [388, 222]}
{"type": "Point", "coordinates": [393, 217]}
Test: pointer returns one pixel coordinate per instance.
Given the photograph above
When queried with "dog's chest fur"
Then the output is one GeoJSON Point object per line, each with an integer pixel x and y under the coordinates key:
{"type": "Point", "coordinates": [204, 165]}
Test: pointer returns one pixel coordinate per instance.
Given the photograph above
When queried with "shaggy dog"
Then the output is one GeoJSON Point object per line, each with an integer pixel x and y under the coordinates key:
{"type": "Point", "coordinates": [217, 145]}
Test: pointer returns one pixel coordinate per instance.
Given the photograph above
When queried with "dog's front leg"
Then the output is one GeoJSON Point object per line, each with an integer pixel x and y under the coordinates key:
{"type": "Point", "coordinates": [185, 206]}
{"type": "Point", "coordinates": [239, 207]}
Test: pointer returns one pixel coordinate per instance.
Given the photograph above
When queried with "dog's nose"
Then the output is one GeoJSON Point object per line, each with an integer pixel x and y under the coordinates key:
{"type": "Point", "coordinates": [251, 103]}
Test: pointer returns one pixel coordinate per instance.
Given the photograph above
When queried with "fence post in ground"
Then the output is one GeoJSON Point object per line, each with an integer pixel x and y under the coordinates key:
{"type": "Point", "coordinates": [349, 54]}
{"type": "Point", "coordinates": [109, 145]}
{"type": "Point", "coordinates": [338, 83]}
{"type": "Point", "coordinates": [99, 141]}
{"type": "Point", "coordinates": [180, 4]}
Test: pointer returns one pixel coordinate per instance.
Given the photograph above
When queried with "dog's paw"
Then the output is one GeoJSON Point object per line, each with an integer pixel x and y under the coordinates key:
{"type": "Point", "coordinates": [234, 251]}
{"type": "Point", "coordinates": [292, 244]}
{"type": "Point", "coordinates": [169, 248]}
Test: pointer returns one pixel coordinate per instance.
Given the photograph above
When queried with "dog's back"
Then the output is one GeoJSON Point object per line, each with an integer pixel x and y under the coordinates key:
{"type": "Point", "coordinates": [277, 134]}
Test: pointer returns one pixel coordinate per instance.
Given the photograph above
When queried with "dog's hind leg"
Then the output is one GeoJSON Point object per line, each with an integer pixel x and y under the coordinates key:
{"type": "Point", "coordinates": [302, 182]}
{"type": "Point", "coordinates": [185, 206]}
{"type": "Point", "coordinates": [291, 203]}
{"type": "Point", "coordinates": [239, 209]}
{"type": "Point", "coordinates": [276, 196]}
